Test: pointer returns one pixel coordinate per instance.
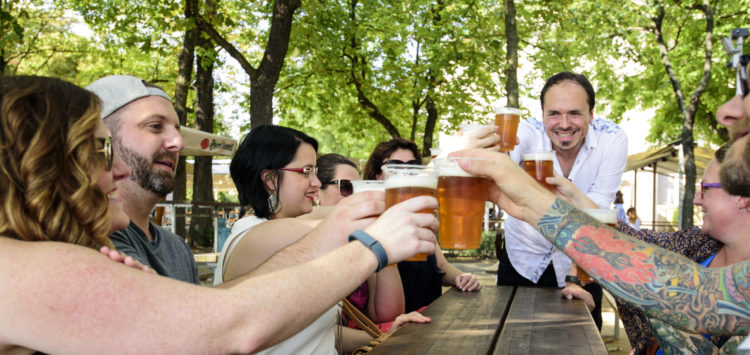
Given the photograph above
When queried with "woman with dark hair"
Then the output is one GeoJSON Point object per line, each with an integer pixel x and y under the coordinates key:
{"type": "Point", "coordinates": [633, 221]}
{"type": "Point", "coordinates": [422, 280]}
{"type": "Point", "coordinates": [58, 175]}
{"type": "Point", "coordinates": [397, 150]}
{"type": "Point", "coordinates": [335, 172]}
{"type": "Point", "coordinates": [274, 170]}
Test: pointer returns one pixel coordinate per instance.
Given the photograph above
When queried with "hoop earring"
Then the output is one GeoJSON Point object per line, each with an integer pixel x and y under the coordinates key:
{"type": "Point", "coordinates": [273, 203]}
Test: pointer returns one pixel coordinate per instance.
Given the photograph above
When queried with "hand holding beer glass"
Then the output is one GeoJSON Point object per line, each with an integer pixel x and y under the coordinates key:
{"type": "Point", "coordinates": [461, 200]}
{"type": "Point", "coordinates": [540, 165]}
{"type": "Point", "coordinates": [403, 182]}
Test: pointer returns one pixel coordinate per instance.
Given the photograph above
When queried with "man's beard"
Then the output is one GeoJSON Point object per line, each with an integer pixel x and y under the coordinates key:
{"type": "Point", "coordinates": [142, 171]}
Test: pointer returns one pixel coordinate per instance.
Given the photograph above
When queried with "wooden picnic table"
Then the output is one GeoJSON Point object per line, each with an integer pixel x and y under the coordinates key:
{"type": "Point", "coordinates": [500, 320]}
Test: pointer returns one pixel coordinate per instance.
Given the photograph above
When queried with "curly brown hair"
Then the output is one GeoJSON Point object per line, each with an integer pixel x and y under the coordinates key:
{"type": "Point", "coordinates": [382, 151]}
{"type": "Point", "coordinates": [50, 163]}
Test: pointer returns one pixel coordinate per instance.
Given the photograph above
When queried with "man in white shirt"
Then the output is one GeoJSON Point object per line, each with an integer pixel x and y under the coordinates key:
{"type": "Point", "coordinates": [592, 153]}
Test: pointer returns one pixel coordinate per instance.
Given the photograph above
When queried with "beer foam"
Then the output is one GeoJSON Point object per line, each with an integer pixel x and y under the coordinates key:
{"type": "Point", "coordinates": [538, 156]}
{"type": "Point", "coordinates": [368, 185]}
{"type": "Point", "coordinates": [429, 182]}
{"type": "Point", "coordinates": [507, 110]}
{"type": "Point", "coordinates": [603, 215]}
{"type": "Point", "coordinates": [451, 168]}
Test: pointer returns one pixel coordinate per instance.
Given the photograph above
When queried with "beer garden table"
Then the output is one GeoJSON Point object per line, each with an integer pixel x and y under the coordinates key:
{"type": "Point", "coordinates": [500, 320]}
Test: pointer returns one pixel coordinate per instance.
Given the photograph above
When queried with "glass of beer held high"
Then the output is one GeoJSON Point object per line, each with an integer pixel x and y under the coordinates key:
{"type": "Point", "coordinates": [540, 165]}
{"type": "Point", "coordinates": [603, 215]}
{"type": "Point", "coordinates": [368, 185]}
{"type": "Point", "coordinates": [461, 199]}
{"type": "Point", "coordinates": [404, 181]}
{"type": "Point", "coordinates": [506, 120]}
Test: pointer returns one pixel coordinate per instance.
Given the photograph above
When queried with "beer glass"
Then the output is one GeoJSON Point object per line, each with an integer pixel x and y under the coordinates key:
{"type": "Point", "coordinates": [403, 182]}
{"type": "Point", "coordinates": [603, 215]}
{"type": "Point", "coordinates": [507, 119]}
{"type": "Point", "coordinates": [368, 185]}
{"type": "Point", "coordinates": [461, 199]}
{"type": "Point", "coordinates": [540, 166]}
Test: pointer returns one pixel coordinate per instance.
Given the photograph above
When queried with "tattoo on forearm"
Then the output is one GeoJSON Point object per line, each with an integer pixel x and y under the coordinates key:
{"type": "Point", "coordinates": [665, 285]}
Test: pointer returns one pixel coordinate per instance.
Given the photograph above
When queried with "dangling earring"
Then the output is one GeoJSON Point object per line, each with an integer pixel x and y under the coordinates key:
{"type": "Point", "coordinates": [273, 203]}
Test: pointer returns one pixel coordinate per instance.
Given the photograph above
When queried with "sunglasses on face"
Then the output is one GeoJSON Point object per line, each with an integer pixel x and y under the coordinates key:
{"type": "Point", "coordinates": [307, 171]}
{"type": "Point", "coordinates": [109, 155]}
{"type": "Point", "coordinates": [708, 185]}
{"type": "Point", "coordinates": [345, 186]}
{"type": "Point", "coordinates": [401, 162]}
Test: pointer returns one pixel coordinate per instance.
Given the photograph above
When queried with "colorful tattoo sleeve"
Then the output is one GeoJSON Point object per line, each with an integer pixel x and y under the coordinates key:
{"type": "Point", "coordinates": [665, 285]}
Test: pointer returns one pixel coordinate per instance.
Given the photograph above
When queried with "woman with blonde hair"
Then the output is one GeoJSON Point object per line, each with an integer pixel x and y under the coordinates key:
{"type": "Point", "coordinates": [57, 183]}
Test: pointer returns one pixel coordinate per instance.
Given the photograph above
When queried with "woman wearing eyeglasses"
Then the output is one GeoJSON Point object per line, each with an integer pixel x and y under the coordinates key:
{"type": "Point", "coordinates": [423, 281]}
{"type": "Point", "coordinates": [719, 242]}
{"type": "Point", "coordinates": [336, 173]}
{"type": "Point", "coordinates": [381, 297]}
{"type": "Point", "coordinates": [275, 172]}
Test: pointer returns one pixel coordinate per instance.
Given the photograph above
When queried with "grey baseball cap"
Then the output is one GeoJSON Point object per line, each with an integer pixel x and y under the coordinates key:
{"type": "Point", "coordinates": [116, 91]}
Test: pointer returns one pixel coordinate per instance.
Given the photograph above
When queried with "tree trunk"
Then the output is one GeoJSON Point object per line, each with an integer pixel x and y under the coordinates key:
{"type": "Point", "coordinates": [182, 86]}
{"type": "Point", "coordinates": [263, 79]}
{"type": "Point", "coordinates": [201, 223]}
{"type": "Point", "coordinates": [687, 110]}
{"type": "Point", "coordinates": [511, 64]}
{"type": "Point", "coordinates": [429, 127]}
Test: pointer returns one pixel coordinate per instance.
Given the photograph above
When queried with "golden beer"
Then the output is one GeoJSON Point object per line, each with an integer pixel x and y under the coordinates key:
{"type": "Point", "coordinates": [540, 166]}
{"type": "Point", "coordinates": [461, 199]}
{"type": "Point", "coordinates": [403, 182]}
{"type": "Point", "coordinates": [603, 215]}
{"type": "Point", "coordinates": [506, 120]}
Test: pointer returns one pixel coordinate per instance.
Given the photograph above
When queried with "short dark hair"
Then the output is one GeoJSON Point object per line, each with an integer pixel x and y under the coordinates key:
{"type": "Point", "coordinates": [382, 151]}
{"type": "Point", "coordinates": [735, 175]}
{"type": "Point", "coordinates": [580, 79]}
{"type": "Point", "coordinates": [264, 148]}
{"type": "Point", "coordinates": [327, 166]}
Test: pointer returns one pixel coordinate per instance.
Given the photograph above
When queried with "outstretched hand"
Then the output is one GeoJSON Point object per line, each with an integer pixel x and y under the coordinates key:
{"type": "Point", "coordinates": [124, 259]}
{"type": "Point", "coordinates": [468, 282]}
{"type": "Point", "coordinates": [411, 317]}
{"type": "Point", "coordinates": [574, 291]}
{"type": "Point", "coordinates": [404, 231]}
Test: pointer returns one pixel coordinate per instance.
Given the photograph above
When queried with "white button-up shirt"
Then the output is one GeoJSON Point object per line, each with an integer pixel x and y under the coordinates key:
{"type": "Point", "coordinates": [597, 172]}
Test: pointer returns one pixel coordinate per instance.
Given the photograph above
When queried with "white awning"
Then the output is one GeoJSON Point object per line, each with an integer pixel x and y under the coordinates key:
{"type": "Point", "coordinates": [199, 143]}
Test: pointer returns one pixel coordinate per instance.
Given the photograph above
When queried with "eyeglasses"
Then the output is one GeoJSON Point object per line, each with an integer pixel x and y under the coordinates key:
{"type": "Point", "coordinates": [109, 155]}
{"type": "Point", "coordinates": [708, 185]}
{"type": "Point", "coordinates": [396, 162]}
{"type": "Point", "coordinates": [345, 186]}
{"type": "Point", "coordinates": [307, 171]}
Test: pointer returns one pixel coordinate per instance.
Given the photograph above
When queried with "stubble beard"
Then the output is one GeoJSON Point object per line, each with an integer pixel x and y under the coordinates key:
{"type": "Point", "coordinates": [142, 171]}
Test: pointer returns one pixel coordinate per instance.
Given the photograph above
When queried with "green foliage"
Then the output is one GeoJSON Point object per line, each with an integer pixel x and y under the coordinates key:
{"type": "Point", "coordinates": [225, 197]}
{"type": "Point", "coordinates": [399, 52]}
{"type": "Point", "coordinates": [486, 248]}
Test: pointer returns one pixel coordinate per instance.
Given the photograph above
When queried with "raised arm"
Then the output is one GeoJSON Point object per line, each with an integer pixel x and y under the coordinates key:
{"type": "Point", "coordinates": [61, 298]}
{"type": "Point", "coordinates": [664, 284]}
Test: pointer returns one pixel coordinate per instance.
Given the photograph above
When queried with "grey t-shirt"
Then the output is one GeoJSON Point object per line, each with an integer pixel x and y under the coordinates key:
{"type": "Point", "coordinates": [168, 254]}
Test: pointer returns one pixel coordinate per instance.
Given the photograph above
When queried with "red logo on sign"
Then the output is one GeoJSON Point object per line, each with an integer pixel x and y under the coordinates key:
{"type": "Point", "coordinates": [204, 143]}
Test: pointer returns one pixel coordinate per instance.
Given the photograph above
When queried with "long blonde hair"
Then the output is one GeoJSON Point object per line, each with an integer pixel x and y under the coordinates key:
{"type": "Point", "coordinates": [50, 163]}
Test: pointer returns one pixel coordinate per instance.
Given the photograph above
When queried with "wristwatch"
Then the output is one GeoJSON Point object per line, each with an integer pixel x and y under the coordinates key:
{"type": "Point", "coordinates": [573, 279]}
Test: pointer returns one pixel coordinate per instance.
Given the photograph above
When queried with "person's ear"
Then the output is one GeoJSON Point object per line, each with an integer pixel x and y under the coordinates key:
{"type": "Point", "coordinates": [744, 203]}
{"type": "Point", "coordinates": [268, 177]}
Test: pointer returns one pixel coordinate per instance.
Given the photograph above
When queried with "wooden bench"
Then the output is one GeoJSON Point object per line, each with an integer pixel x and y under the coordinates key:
{"type": "Point", "coordinates": [500, 320]}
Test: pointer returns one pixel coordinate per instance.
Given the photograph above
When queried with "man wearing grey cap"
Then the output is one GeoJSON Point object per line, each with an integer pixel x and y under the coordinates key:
{"type": "Point", "coordinates": [146, 134]}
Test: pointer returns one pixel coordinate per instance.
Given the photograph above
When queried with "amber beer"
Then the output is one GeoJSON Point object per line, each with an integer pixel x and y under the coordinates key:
{"type": "Point", "coordinates": [461, 199]}
{"type": "Point", "coordinates": [603, 215]}
{"type": "Point", "coordinates": [506, 120]}
{"type": "Point", "coordinates": [540, 166]}
{"type": "Point", "coordinates": [403, 182]}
